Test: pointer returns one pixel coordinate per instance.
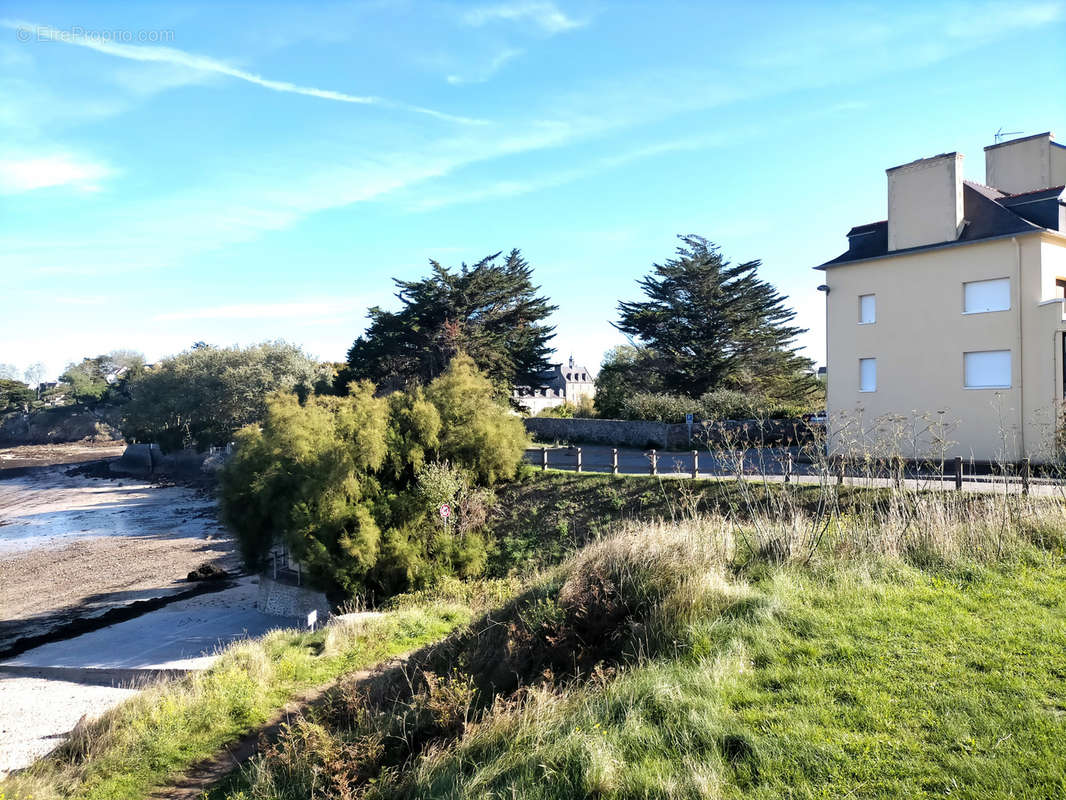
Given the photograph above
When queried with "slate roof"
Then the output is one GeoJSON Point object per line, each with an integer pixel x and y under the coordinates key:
{"type": "Point", "coordinates": [988, 212]}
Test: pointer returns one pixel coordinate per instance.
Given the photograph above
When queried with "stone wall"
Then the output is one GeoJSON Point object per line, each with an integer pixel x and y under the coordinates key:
{"type": "Point", "coordinates": [144, 460]}
{"type": "Point", "coordinates": [616, 432]}
{"type": "Point", "coordinates": [287, 600]}
{"type": "Point", "coordinates": [747, 432]}
{"type": "Point", "coordinates": [140, 460]}
{"type": "Point", "coordinates": [669, 436]}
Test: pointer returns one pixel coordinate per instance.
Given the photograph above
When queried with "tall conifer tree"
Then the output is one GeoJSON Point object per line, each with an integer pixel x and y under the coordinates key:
{"type": "Point", "coordinates": [709, 324]}
{"type": "Point", "coordinates": [491, 311]}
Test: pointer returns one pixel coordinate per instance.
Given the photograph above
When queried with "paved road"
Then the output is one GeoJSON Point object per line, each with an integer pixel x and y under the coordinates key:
{"type": "Point", "coordinates": [634, 461]}
{"type": "Point", "coordinates": [761, 464]}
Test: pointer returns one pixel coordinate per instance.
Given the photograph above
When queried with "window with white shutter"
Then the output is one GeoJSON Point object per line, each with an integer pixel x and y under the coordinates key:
{"type": "Point", "coordinates": [867, 374]}
{"type": "Point", "coordinates": [979, 297]}
{"type": "Point", "coordinates": [987, 369]}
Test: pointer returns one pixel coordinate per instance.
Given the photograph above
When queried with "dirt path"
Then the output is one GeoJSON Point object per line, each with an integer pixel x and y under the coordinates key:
{"type": "Point", "coordinates": [195, 782]}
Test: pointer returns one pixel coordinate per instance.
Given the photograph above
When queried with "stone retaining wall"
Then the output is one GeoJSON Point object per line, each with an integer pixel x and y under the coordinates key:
{"type": "Point", "coordinates": [670, 436]}
{"type": "Point", "coordinates": [617, 432]}
{"type": "Point", "coordinates": [287, 600]}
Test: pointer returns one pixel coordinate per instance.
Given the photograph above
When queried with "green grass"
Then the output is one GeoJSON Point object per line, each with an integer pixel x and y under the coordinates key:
{"type": "Point", "coordinates": [924, 656]}
{"type": "Point", "coordinates": [544, 517]}
{"type": "Point", "coordinates": [910, 646]}
{"type": "Point", "coordinates": [170, 726]}
{"type": "Point", "coordinates": [901, 683]}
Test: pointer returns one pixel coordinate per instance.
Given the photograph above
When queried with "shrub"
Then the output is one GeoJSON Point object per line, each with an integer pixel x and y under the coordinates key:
{"type": "Point", "coordinates": [657, 407]}
{"type": "Point", "coordinates": [351, 485]}
{"type": "Point", "coordinates": [439, 483]}
{"type": "Point", "coordinates": [561, 411]}
{"type": "Point", "coordinates": [477, 433]}
{"type": "Point", "coordinates": [584, 408]}
{"type": "Point", "coordinates": [719, 404]}
{"type": "Point", "coordinates": [15, 395]}
{"type": "Point", "coordinates": [306, 479]}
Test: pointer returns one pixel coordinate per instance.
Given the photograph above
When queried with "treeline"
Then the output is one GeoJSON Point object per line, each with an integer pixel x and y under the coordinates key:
{"type": "Point", "coordinates": [348, 465]}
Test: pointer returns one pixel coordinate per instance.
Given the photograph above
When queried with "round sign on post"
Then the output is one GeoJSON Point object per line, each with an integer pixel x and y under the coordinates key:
{"type": "Point", "coordinates": [445, 511]}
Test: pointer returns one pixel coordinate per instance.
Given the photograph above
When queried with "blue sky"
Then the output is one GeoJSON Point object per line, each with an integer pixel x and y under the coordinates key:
{"type": "Point", "coordinates": [235, 172]}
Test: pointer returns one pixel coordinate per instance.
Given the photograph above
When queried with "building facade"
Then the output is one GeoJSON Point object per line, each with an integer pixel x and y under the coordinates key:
{"type": "Point", "coordinates": [567, 383]}
{"type": "Point", "coordinates": [944, 323]}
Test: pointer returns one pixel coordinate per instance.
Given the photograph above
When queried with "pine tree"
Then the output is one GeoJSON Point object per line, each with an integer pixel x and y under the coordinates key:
{"type": "Point", "coordinates": [491, 311]}
{"type": "Point", "coordinates": [709, 324]}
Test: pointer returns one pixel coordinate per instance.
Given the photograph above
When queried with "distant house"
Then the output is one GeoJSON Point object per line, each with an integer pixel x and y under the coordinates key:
{"type": "Point", "coordinates": [569, 384]}
{"type": "Point", "coordinates": [952, 308]}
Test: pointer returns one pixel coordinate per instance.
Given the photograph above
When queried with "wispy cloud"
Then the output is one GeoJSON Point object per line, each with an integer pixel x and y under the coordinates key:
{"type": "Point", "coordinates": [227, 211]}
{"type": "Point", "coordinates": [545, 15]}
{"type": "Point", "coordinates": [310, 310]}
{"type": "Point", "coordinates": [19, 175]}
{"type": "Point", "coordinates": [182, 58]}
{"type": "Point", "coordinates": [514, 188]}
{"type": "Point", "coordinates": [494, 66]}
{"type": "Point", "coordinates": [994, 19]}
{"type": "Point", "coordinates": [77, 300]}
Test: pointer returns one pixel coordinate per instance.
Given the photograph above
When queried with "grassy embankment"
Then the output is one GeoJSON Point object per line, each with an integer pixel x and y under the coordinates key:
{"type": "Point", "coordinates": [759, 642]}
{"type": "Point", "coordinates": [172, 725]}
{"type": "Point", "coordinates": [900, 646]}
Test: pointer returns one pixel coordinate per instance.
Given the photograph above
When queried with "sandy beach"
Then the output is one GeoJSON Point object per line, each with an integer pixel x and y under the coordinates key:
{"type": "Point", "coordinates": [74, 546]}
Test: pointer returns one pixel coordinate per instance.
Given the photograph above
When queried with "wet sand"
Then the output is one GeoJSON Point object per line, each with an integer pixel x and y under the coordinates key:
{"type": "Point", "coordinates": [73, 546]}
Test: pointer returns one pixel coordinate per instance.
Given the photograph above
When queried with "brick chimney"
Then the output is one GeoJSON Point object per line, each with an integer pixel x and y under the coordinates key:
{"type": "Point", "coordinates": [925, 201]}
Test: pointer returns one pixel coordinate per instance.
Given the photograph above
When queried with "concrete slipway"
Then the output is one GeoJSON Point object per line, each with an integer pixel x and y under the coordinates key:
{"type": "Point", "coordinates": [45, 691]}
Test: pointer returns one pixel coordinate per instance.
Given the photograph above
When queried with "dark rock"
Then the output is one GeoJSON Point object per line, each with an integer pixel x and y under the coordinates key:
{"type": "Point", "coordinates": [208, 572]}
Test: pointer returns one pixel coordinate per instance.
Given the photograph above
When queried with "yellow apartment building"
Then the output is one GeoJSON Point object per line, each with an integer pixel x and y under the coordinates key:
{"type": "Point", "coordinates": [944, 323]}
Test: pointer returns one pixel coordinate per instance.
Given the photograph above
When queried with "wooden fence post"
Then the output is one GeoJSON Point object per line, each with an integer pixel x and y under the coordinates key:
{"type": "Point", "coordinates": [614, 461]}
{"type": "Point", "coordinates": [840, 470]}
{"type": "Point", "coordinates": [654, 463]}
{"type": "Point", "coordinates": [1026, 474]}
{"type": "Point", "coordinates": [579, 459]}
{"type": "Point", "coordinates": [543, 458]}
{"type": "Point", "coordinates": [788, 468]}
{"type": "Point", "coordinates": [695, 463]}
{"type": "Point", "coordinates": [958, 473]}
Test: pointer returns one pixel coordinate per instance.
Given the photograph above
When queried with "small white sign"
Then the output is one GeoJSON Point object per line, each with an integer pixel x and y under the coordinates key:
{"type": "Point", "coordinates": [312, 619]}
{"type": "Point", "coordinates": [445, 511]}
